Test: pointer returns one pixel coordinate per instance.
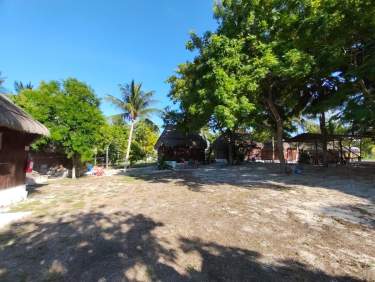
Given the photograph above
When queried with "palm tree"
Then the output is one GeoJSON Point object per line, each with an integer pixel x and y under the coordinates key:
{"type": "Point", "coordinates": [19, 86]}
{"type": "Point", "coordinates": [135, 105]}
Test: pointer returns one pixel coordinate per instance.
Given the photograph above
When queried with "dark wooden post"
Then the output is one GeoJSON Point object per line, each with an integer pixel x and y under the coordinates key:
{"type": "Point", "coordinates": [341, 152]}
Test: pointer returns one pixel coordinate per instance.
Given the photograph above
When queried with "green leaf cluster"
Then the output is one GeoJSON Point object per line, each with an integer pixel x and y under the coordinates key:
{"type": "Point", "coordinates": [70, 110]}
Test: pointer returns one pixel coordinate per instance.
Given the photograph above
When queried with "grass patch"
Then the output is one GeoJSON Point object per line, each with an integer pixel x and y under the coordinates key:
{"type": "Point", "coordinates": [27, 205]}
{"type": "Point", "coordinates": [79, 205]}
{"type": "Point", "coordinates": [129, 179]}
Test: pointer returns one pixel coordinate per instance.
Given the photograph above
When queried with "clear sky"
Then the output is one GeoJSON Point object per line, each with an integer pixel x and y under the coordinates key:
{"type": "Point", "coordinates": [102, 43]}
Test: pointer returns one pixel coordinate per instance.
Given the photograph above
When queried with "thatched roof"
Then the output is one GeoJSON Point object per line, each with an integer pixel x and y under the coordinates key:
{"type": "Point", "coordinates": [240, 138]}
{"type": "Point", "coordinates": [13, 117]}
{"type": "Point", "coordinates": [317, 137]}
{"type": "Point", "coordinates": [173, 137]}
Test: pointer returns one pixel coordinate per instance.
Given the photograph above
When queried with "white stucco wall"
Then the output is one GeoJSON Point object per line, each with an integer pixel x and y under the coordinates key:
{"type": "Point", "coordinates": [12, 195]}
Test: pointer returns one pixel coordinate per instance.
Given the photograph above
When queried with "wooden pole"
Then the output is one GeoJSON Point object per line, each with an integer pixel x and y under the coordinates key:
{"type": "Point", "coordinates": [106, 157]}
{"type": "Point", "coordinates": [341, 153]}
{"type": "Point", "coordinates": [273, 149]}
{"type": "Point", "coordinates": [297, 155]}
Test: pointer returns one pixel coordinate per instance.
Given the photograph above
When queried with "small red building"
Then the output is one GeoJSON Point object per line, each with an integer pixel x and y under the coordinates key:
{"type": "Point", "coordinates": [246, 149]}
{"type": "Point", "coordinates": [17, 131]}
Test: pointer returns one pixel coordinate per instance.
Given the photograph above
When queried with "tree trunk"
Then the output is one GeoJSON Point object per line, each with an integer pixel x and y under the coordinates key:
{"type": "Point", "coordinates": [230, 153]}
{"type": "Point", "coordinates": [230, 149]}
{"type": "Point", "coordinates": [279, 133]}
{"type": "Point", "coordinates": [106, 157]}
{"type": "Point", "coordinates": [129, 145]}
{"type": "Point", "coordinates": [280, 145]}
{"type": "Point", "coordinates": [342, 157]}
{"type": "Point", "coordinates": [323, 131]}
{"type": "Point", "coordinates": [74, 167]}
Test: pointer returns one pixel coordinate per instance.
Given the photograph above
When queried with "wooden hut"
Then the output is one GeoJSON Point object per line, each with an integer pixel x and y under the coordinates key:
{"type": "Point", "coordinates": [17, 131]}
{"type": "Point", "coordinates": [310, 147]}
{"type": "Point", "coordinates": [244, 148]}
{"type": "Point", "coordinates": [176, 145]}
{"type": "Point", "coordinates": [270, 152]}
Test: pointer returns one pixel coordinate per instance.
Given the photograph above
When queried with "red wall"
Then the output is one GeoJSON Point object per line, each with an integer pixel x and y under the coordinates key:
{"type": "Point", "coordinates": [13, 157]}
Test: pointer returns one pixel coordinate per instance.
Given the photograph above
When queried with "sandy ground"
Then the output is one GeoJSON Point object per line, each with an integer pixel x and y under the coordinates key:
{"type": "Point", "coordinates": [243, 223]}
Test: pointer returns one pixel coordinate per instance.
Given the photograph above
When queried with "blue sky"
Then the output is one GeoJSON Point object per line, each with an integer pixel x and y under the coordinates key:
{"type": "Point", "coordinates": [103, 43]}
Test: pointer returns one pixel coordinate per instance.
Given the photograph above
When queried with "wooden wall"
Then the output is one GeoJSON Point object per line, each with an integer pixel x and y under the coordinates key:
{"type": "Point", "coordinates": [13, 157]}
{"type": "Point", "coordinates": [180, 154]}
{"type": "Point", "coordinates": [43, 160]}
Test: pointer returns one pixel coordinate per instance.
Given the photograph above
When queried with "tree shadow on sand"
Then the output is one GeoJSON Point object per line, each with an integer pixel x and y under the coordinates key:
{"type": "Point", "coordinates": [88, 247]}
{"type": "Point", "coordinates": [122, 247]}
{"type": "Point", "coordinates": [348, 180]}
{"type": "Point", "coordinates": [221, 263]}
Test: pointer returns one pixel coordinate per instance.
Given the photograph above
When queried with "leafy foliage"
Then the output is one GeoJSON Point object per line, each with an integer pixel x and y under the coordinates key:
{"type": "Point", "coordinates": [71, 112]}
{"type": "Point", "coordinates": [134, 103]}
{"type": "Point", "coordinates": [135, 106]}
{"type": "Point", "coordinates": [19, 86]}
{"type": "Point", "coordinates": [145, 137]}
{"type": "Point", "coordinates": [270, 61]}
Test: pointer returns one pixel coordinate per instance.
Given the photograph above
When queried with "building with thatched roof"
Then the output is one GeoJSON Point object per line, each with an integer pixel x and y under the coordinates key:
{"type": "Point", "coordinates": [177, 145]}
{"type": "Point", "coordinates": [246, 149]}
{"type": "Point", "coordinates": [270, 152]}
{"type": "Point", "coordinates": [243, 149]}
{"type": "Point", "coordinates": [17, 131]}
{"type": "Point", "coordinates": [339, 147]}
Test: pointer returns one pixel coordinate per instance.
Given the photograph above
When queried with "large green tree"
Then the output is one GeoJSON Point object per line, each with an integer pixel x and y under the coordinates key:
{"type": "Point", "coordinates": [246, 71]}
{"type": "Point", "coordinates": [71, 112]}
{"type": "Point", "coordinates": [339, 36]}
{"type": "Point", "coordinates": [135, 105]}
{"type": "Point", "coordinates": [211, 89]}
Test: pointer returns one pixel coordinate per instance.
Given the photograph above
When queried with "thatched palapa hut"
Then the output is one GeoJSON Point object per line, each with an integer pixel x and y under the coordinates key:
{"type": "Point", "coordinates": [17, 131]}
{"type": "Point", "coordinates": [176, 145]}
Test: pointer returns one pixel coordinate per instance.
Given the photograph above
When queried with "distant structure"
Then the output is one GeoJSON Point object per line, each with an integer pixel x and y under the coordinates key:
{"type": "Point", "coordinates": [339, 150]}
{"type": "Point", "coordinates": [246, 149]}
{"type": "Point", "coordinates": [17, 131]}
{"type": "Point", "coordinates": [243, 149]}
{"type": "Point", "coordinates": [176, 145]}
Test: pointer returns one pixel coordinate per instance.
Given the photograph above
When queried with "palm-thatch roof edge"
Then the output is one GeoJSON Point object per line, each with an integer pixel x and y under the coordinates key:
{"type": "Point", "coordinates": [13, 117]}
{"type": "Point", "coordinates": [173, 137]}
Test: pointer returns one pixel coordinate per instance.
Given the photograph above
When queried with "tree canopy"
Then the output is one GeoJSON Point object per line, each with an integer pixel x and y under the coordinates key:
{"type": "Point", "coordinates": [271, 61]}
{"type": "Point", "coordinates": [71, 112]}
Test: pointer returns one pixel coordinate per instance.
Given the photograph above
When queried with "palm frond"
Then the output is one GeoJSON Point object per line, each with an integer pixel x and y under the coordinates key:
{"type": "Point", "coordinates": [134, 102]}
{"type": "Point", "coordinates": [115, 101]}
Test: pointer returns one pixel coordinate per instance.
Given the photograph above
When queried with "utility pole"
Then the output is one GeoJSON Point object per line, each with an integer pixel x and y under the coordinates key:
{"type": "Point", "coordinates": [106, 157]}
